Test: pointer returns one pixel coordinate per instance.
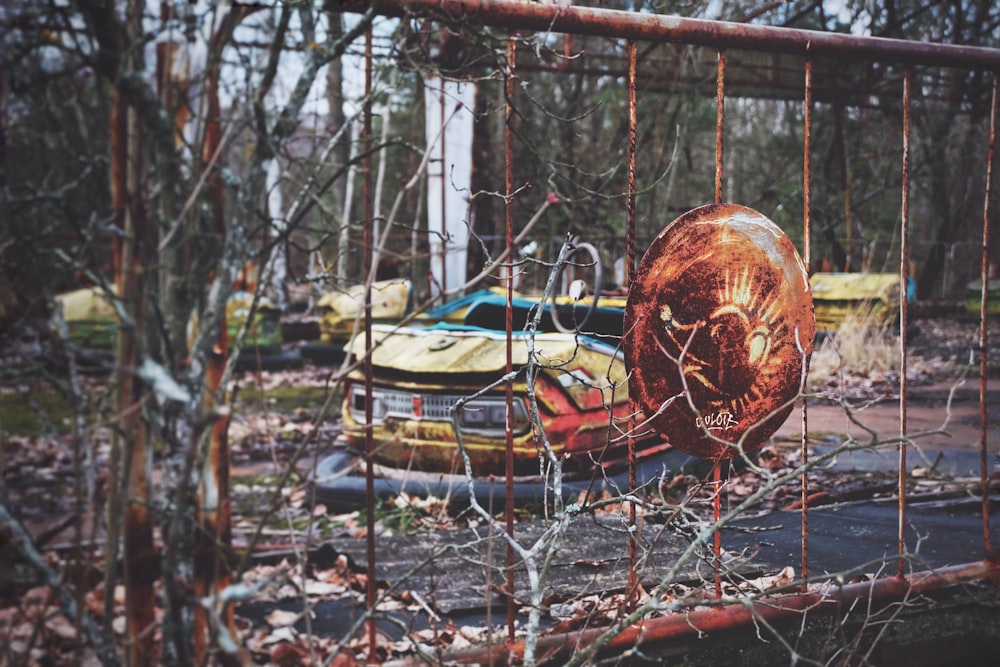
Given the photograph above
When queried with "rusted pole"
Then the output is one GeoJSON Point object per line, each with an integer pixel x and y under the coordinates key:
{"type": "Point", "coordinates": [720, 108]}
{"type": "Point", "coordinates": [444, 184]}
{"type": "Point", "coordinates": [672, 629]}
{"type": "Point", "coordinates": [633, 538]}
{"type": "Point", "coordinates": [549, 17]}
{"type": "Point", "coordinates": [370, 499]}
{"type": "Point", "coordinates": [807, 260]}
{"type": "Point", "coordinates": [630, 250]}
{"type": "Point", "coordinates": [716, 517]}
{"type": "Point", "coordinates": [904, 249]}
{"type": "Point", "coordinates": [984, 298]}
{"type": "Point", "coordinates": [509, 326]}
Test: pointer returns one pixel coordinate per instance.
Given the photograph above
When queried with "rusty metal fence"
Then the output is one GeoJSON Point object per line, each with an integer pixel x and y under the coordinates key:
{"type": "Point", "coordinates": [734, 46]}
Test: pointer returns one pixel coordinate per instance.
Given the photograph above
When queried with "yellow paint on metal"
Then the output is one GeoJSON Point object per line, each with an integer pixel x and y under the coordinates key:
{"type": "Point", "coordinates": [91, 319]}
{"type": "Point", "coordinates": [342, 309]}
{"type": "Point", "coordinates": [974, 297]}
{"type": "Point", "coordinates": [89, 303]}
{"type": "Point", "coordinates": [432, 445]}
{"type": "Point", "coordinates": [837, 296]}
{"type": "Point", "coordinates": [592, 379]}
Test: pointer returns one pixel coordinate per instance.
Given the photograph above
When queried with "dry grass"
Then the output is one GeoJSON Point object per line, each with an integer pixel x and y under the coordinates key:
{"type": "Point", "coordinates": [863, 347]}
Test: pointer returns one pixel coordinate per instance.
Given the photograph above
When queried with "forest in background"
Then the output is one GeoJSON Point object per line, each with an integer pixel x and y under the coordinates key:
{"type": "Point", "coordinates": [155, 149]}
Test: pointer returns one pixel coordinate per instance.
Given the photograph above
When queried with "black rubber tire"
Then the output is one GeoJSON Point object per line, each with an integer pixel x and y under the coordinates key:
{"type": "Point", "coordinates": [252, 360]}
{"type": "Point", "coordinates": [338, 489]}
{"type": "Point", "coordinates": [322, 354]}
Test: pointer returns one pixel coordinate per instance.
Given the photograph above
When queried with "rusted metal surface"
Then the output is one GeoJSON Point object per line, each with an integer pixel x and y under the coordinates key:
{"type": "Point", "coordinates": [807, 260]}
{"type": "Point", "coordinates": [719, 327]}
{"type": "Point", "coordinates": [574, 403]}
{"type": "Point", "coordinates": [371, 590]}
{"type": "Point", "coordinates": [630, 251]}
{"type": "Point", "coordinates": [716, 516]}
{"type": "Point", "coordinates": [510, 453]}
{"type": "Point", "coordinates": [904, 270]}
{"type": "Point", "coordinates": [720, 126]}
{"type": "Point", "coordinates": [720, 108]}
{"type": "Point", "coordinates": [633, 542]}
{"type": "Point", "coordinates": [516, 15]}
{"type": "Point", "coordinates": [984, 305]}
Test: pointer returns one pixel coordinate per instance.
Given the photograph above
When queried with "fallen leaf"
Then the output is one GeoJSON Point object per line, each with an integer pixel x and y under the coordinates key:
{"type": "Point", "coordinates": [288, 655]}
{"type": "Point", "coordinates": [283, 634]}
{"type": "Point", "coordinates": [60, 626]}
{"type": "Point", "coordinates": [282, 618]}
{"type": "Point", "coordinates": [313, 587]}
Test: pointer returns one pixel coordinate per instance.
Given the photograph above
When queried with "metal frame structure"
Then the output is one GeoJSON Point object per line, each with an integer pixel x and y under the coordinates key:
{"type": "Point", "coordinates": [635, 27]}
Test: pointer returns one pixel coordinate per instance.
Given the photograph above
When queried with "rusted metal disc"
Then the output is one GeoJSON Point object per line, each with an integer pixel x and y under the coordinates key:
{"type": "Point", "coordinates": [719, 327]}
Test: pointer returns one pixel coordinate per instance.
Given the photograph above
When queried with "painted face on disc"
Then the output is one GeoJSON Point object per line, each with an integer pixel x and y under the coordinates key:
{"type": "Point", "coordinates": [719, 327]}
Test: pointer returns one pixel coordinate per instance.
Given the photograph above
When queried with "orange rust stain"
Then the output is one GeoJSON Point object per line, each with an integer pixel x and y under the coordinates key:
{"type": "Point", "coordinates": [719, 327]}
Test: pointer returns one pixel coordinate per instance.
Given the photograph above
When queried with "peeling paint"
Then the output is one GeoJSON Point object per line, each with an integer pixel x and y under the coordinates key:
{"type": "Point", "coordinates": [720, 316]}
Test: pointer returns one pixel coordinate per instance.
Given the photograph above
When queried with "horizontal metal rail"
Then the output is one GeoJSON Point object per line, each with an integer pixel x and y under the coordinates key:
{"type": "Point", "coordinates": [517, 15]}
{"type": "Point", "coordinates": [867, 595]}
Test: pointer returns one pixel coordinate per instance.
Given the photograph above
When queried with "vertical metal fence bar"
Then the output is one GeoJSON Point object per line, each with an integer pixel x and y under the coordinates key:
{"type": "Point", "coordinates": [717, 515]}
{"type": "Point", "coordinates": [633, 540]}
{"type": "Point", "coordinates": [903, 273]}
{"type": "Point", "coordinates": [444, 185]}
{"type": "Point", "coordinates": [845, 186]}
{"type": "Point", "coordinates": [509, 280]}
{"type": "Point", "coordinates": [720, 105]}
{"type": "Point", "coordinates": [984, 298]}
{"type": "Point", "coordinates": [630, 250]}
{"type": "Point", "coordinates": [369, 222]}
{"type": "Point", "coordinates": [806, 258]}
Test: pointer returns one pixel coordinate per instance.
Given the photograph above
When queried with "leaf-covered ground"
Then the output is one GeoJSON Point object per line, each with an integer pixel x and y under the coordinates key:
{"type": "Point", "coordinates": [54, 477]}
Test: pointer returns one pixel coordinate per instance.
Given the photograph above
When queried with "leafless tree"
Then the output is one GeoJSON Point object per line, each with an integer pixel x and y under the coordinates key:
{"type": "Point", "coordinates": [155, 151]}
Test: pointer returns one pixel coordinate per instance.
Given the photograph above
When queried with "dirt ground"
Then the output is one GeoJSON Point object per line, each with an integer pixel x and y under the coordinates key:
{"type": "Point", "coordinates": [944, 414]}
{"type": "Point", "coordinates": [943, 394]}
